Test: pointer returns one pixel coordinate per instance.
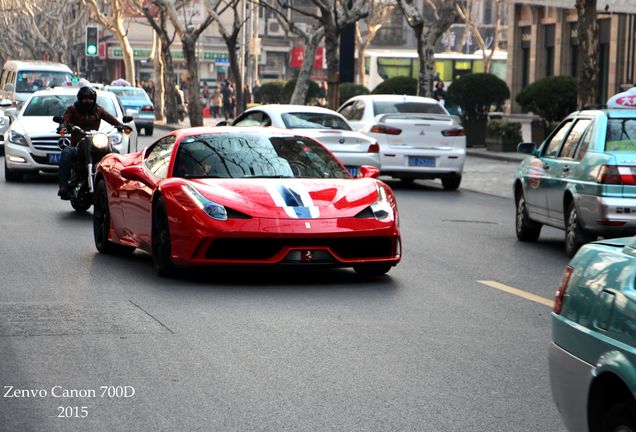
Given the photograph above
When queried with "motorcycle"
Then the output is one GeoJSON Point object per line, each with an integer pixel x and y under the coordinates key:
{"type": "Point", "coordinates": [93, 146]}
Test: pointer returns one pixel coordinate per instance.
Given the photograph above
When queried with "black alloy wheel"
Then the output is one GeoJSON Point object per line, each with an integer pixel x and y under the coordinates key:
{"type": "Point", "coordinates": [101, 224]}
{"type": "Point", "coordinates": [526, 229]}
{"type": "Point", "coordinates": [161, 249]}
{"type": "Point", "coordinates": [575, 236]}
{"type": "Point", "coordinates": [372, 270]}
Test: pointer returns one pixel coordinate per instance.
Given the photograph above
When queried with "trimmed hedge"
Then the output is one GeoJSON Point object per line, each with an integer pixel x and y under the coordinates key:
{"type": "Point", "coordinates": [397, 85]}
{"type": "Point", "coordinates": [349, 90]}
{"type": "Point", "coordinates": [476, 94]}
{"type": "Point", "coordinates": [270, 92]}
{"type": "Point", "coordinates": [553, 98]}
{"type": "Point", "coordinates": [313, 91]}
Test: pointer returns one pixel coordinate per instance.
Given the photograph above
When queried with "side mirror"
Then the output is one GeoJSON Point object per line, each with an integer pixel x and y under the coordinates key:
{"type": "Point", "coordinates": [58, 119]}
{"type": "Point", "coordinates": [127, 118]}
{"type": "Point", "coordinates": [368, 171]}
{"type": "Point", "coordinates": [135, 173]}
{"type": "Point", "coordinates": [527, 148]}
{"type": "Point", "coordinates": [222, 123]}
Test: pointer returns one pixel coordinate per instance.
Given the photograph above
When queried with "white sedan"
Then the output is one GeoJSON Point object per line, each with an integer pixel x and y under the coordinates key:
{"type": "Point", "coordinates": [324, 125]}
{"type": "Point", "coordinates": [32, 141]}
{"type": "Point", "coordinates": [418, 138]}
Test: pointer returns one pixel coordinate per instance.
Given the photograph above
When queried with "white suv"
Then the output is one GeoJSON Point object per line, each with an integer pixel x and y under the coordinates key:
{"type": "Point", "coordinates": [31, 140]}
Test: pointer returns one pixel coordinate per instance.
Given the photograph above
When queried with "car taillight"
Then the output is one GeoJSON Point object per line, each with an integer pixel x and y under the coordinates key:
{"type": "Point", "coordinates": [617, 175]}
{"type": "Point", "coordinates": [383, 129]}
{"type": "Point", "coordinates": [453, 132]}
{"type": "Point", "coordinates": [374, 148]}
{"type": "Point", "coordinates": [147, 108]}
{"type": "Point", "coordinates": [565, 280]}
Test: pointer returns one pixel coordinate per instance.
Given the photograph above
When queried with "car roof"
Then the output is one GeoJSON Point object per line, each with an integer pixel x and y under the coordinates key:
{"type": "Point", "coordinates": [284, 108]}
{"type": "Point", "coordinates": [395, 98]}
{"type": "Point", "coordinates": [67, 91]}
{"type": "Point", "coordinates": [38, 65]}
{"type": "Point", "coordinates": [112, 87]}
{"type": "Point", "coordinates": [267, 131]}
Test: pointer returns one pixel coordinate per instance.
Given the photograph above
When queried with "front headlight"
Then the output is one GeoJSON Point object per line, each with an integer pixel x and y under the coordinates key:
{"type": "Point", "coordinates": [381, 207]}
{"type": "Point", "coordinates": [100, 140]}
{"type": "Point", "coordinates": [17, 138]}
{"type": "Point", "coordinates": [212, 209]}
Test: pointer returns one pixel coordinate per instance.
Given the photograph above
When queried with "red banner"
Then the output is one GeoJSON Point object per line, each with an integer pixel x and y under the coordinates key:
{"type": "Point", "coordinates": [298, 54]}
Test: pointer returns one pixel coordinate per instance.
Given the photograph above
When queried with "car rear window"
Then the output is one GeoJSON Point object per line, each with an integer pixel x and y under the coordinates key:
{"type": "Point", "coordinates": [31, 81]}
{"type": "Point", "coordinates": [621, 134]}
{"type": "Point", "coordinates": [308, 120]}
{"type": "Point", "coordinates": [390, 107]}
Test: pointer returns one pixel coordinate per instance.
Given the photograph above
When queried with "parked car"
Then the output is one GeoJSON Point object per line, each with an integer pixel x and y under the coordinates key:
{"type": "Point", "coordinates": [32, 140]}
{"type": "Point", "coordinates": [582, 179]}
{"type": "Point", "coordinates": [324, 125]}
{"type": "Point", "coordinates": [250, 196]}
{"type": "Point", "coordinates": [418, 138]}
{"type": "Point", "coordinates": [592, 357]}
{"type": "Point", "coordinates": [141, 107]}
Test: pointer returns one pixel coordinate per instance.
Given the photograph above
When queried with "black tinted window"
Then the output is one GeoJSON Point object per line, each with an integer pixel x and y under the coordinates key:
{"type": "Point", "coordinates": [390, 107]}
{"type": "Point", "coordinates": [158, 158]}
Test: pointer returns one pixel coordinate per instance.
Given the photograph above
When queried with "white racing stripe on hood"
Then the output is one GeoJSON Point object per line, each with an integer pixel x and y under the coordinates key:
{"type": "Point", "coordinates": [295, 200]}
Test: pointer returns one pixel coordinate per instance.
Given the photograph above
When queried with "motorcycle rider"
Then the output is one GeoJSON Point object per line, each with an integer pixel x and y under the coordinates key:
{"type": "Point", "coordinates": [86, 114]}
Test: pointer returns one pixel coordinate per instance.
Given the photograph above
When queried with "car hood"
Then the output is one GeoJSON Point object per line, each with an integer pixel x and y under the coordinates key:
{"type": "Point", "coordinates": [291, 198]}
{"type": "Point", "coordinates": [41, 126]}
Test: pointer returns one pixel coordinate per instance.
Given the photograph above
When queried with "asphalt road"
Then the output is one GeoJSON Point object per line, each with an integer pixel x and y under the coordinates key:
{"type": "Point", "coordinates": [430, 347]}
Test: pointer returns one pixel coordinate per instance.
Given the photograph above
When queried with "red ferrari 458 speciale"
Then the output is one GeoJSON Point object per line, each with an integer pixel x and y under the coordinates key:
{"type": "Point", "coordinates": [250, 196]}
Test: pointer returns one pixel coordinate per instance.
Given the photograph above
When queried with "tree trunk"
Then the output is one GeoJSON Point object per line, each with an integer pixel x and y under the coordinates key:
{"type": "Point", "coordinates": [302, 83]}
{"type": "Point", "coordinates": [192, 66]}
{"type": "Point", "coordinates": [426, 52]}
{"type": "Point", "coordinates": [587, 66]}
{"type": "Point", "coordinates": [158, 66]}
{"type": "Point", "coordinates": [235, 73]}
{"type": "Point", "coordinates": [129, 62]}
{"type": "Point", "coordinates": [332, 42]}
{"type": "Point", "coordinates": [171, 105]}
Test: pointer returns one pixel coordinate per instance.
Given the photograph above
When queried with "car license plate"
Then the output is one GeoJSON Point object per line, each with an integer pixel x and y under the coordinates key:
{"type": "Point", "coordinates": [353, 171]}
{"type": "Point", "coordinates": [54, 158]}
{"type": "Point", "coordinates": [421, 161]}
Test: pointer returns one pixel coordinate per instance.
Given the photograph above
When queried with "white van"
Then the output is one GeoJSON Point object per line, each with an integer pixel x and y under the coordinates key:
{"type": "Point", "coordinates": [21, 78]}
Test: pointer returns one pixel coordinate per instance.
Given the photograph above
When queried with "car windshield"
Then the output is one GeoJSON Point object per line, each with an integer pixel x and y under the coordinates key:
{"type": "Point", "coordinates": [309, 120]}
{"type": "Point", "coordinates": [254, 156]}
{"type": "Point", "coordinates": [130, 93]}
{"type": "Point", "coordinates": [55, 105]}
{"type": "Point", "coordinates": [621, 134]}
{"type": "Point", "coordinates": [407, 107]}
{"type": "Point", "coordinates": [32, 81]}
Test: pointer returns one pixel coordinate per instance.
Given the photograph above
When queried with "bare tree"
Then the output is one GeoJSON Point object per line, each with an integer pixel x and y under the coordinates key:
{"type": "Point", "coordinates": [38, 29]}
{"type": "Point", "coordinates": [216, 8]}
{"type": "Point", "coordinates": [379, 11]}
{"type": "Point", "coordinates": [111, 15]}
{"type": "Point", "coordinates": [587, 66]}
{"type": "Point", "coordinates": [311, 37]}
{"type": "Point", "coordinates": [465, 11]}
{"type": "Point", "coordinates": [428, 24]}
{"type": "Point", "coordinates": [189, 35]}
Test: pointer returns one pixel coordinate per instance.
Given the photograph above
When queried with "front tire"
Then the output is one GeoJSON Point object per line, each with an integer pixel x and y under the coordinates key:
{"type": "Point", "coordinates": [101, 224]}
{"type": "Point", "coordinates": [11, 175]}
{"type": "Point", "coordinates": [372, 270]}
{"type": "Point", "coordinates": [620, 418]}
{"type": "Point", "coordinates": [451, 182]}
{"type": "Point", "coordinates": [527, 230]}
{"type": "Point", "coordinates": [161, 248]}
{"type": "Point", "coordinates": [575, 236]}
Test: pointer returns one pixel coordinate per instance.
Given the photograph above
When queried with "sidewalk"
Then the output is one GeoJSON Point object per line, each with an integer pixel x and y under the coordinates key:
{"type": "Point", "coordinates": [471, 151]}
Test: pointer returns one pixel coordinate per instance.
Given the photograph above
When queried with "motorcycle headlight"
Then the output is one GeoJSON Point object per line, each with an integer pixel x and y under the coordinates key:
{"type": "Point", "coordinates": [17, 138]}
{"type": "Point", "coordinates": [100, 140]}
{"type": "Point", "coordinates": [115, 139]}
{"type": "Point", "coordinates": [212, 209]}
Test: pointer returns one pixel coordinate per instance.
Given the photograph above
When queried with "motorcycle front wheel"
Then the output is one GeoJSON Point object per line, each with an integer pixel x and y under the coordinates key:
{"type": "Point", "coordinates": [82, 202]}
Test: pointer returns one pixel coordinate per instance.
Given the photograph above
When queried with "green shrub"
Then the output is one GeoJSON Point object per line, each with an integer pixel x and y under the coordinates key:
{"type": "Point", "coordinates": [509, 130]}
{"type": "Point", "coordinates": [313, 91]}
{"type": "Point", "coordinates": [349, 90]}
{"type": "Point", "coordinates": [270, 92]}
{"type": "Point", "coordinates": [553, 98]}
{"type": "Point", "coordinates": [476, 94]}
{"type": "Point", "coordinates": [397, 85]}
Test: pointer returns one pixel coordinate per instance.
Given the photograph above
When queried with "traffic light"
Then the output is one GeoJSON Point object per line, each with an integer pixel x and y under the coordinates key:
{"type": "Point", "coordinates": [91, 41]}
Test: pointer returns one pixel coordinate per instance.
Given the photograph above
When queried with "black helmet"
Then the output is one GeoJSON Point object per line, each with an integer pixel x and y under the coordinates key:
{"type": "Point", "coordinates": [86, 92]}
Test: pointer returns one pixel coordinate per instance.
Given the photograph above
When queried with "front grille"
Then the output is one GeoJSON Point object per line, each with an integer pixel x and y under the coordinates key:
{"type": "Point", "coordinates": [265, 248]}
{"type": "Point", "coordinates": [46, 143]}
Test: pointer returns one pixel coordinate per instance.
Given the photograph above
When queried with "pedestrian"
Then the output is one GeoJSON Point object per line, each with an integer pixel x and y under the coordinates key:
{"type": "Point", "coordinates": [439, 94]}
{"type": "Point", "coordinates": [226, 91]}
{"type": "Point", "coordinates": [217, 102]}
{"type": "Point", "coordinates": [256, 98]}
